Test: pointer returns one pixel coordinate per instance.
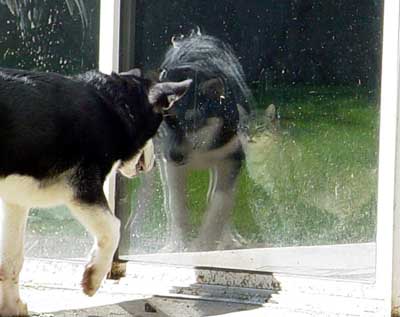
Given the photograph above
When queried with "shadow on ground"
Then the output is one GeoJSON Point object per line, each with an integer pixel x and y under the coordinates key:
{"type": "Point", "coordinates": [159, 307]}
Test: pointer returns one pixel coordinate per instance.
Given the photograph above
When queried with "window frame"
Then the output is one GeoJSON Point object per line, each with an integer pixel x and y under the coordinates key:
{"type": "Point", "coordinates": [387, 285]}
{"type": "Point", "coordinates": [109, 42]}
{"type": "Point", "coordinates": [388, 213]}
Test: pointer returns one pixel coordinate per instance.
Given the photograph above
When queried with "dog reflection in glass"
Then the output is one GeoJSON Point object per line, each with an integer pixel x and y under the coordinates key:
{"type": "Point", "coordinates": [205, 130]}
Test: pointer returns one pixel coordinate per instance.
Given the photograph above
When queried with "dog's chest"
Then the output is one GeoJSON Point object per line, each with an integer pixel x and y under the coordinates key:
{"type": "Point", "coordinates": [29, 192]}
{"type": "Point", "coordinates": [203, 147]}
{"type": "Point", "coordinates": [202, 138]}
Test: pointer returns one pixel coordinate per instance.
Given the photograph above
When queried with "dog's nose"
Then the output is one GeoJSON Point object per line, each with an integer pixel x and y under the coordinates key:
{"type": "Point", "coordinates": [177, 157]}
{"type": "Point", "coordinates": [141, 166]}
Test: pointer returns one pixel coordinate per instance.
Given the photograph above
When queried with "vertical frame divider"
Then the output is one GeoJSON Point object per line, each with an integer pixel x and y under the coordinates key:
{"type": "Point", "coordinates": [108, 62]}
{"type": "Point", "coordinates": [123, 191]}
{"type": "Point", "coordinates": [388, 218]}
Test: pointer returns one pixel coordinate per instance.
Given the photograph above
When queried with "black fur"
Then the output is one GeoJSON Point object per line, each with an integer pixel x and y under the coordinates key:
{"type": "Point", "coordinates": [51, 123]}
{"type": "Point", "coordinates": [59, 138]}
{"type": "Point", "coordinates": [206, 129]}
{"type": "Point", "coordinates": [203, 59]}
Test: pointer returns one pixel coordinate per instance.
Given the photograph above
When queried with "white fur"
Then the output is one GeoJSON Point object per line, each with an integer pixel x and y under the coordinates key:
{"type": "Point", "coordinates": [220, 196]}
{"type": "Point", "coordinates": [28, 192]}
{"type": "Point", "coordinates": [129, 168]}
{"type": "Point", "coordinates": [13, 222]}
{"type": "Point", "coordinates": [18, 194]}
{"type": "Point", "coordinates": [104, 227]}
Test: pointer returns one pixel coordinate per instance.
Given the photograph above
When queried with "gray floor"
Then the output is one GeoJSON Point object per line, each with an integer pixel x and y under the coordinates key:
{"type": "Point", "coordinates": [158, 307]}
{"type": "Point", "coordinates": [52, 288]}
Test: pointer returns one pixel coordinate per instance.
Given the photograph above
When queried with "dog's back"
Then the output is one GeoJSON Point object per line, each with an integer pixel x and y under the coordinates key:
{"type": "Point", "coordinates": [50, 123]}
{"type": "Point", "coordinates": [46, 123]}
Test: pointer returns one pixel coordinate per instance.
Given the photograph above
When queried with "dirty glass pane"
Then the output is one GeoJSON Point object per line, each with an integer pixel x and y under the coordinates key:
{"type": "Point", "coordinates": [59, 36]}
{"type": "Point", "coordinates": [307, 174]}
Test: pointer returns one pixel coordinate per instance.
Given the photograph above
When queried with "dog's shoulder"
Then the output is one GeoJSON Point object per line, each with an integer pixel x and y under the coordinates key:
{"type": "Point", "coordinates": [41, 88]}
{"type": "Point", "coordinates": [117, 89]}
{"type": "Point", "coordinates": [33, 78]}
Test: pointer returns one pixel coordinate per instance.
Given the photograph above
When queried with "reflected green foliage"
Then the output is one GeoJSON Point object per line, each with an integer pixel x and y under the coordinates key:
{"type": "Point", "coordinates": [310, 177]}
{"type": "Point", "coordinates": [154, 223]}
{"type": "Point", "coordinates": [314, 178]}
{"type": "Point", "coordinates": [60, 217]}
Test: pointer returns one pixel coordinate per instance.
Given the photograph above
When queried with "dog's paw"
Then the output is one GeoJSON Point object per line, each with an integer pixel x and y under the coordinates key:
{"type": "Point", "coordinates": [93, 277]}
{"type": "Point", "coordinates": [16, 309]}
{"type": "Point", "coordinates": [89, 285]}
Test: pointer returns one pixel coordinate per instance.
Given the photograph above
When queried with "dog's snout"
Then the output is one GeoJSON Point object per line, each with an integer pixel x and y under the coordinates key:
{"type": "Point", "coordinates": [177, 157]}
{"type": "Point", "coordinates": [141, 164]}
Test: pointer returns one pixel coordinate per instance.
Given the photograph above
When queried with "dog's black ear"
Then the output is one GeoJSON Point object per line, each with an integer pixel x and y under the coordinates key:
{"type": "Point", "coordinates": [163, 95]}
{"type": "Point", "coordinates": [137, 72]}
{"type": "Point", "coordinates": [213, 88]}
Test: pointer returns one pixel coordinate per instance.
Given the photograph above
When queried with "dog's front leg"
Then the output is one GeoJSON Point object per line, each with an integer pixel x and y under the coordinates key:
{"type": "Point", "coordinates": [104, 227]}
{"type": "Point", "coordinates": [174, 186]}
{"type": "Point", "coordinates": [220, 200]}
{"type": "Point", "coordinates": [13, 223]}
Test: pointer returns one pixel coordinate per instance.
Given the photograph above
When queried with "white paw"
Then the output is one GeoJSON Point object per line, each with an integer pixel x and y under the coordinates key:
{"type": "Point", "coordinates": [18, 309]}
{"type": "Point", "coordinates": [101, 260]}
{"type": "Point", "coordinates": [93, 276]}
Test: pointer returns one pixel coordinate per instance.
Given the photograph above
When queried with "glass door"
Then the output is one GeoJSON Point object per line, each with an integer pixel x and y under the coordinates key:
{"type": "Point", "coordinates": [297, 85]}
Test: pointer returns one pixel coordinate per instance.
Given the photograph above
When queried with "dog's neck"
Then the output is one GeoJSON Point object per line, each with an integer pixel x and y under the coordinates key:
{"type": "Point", "coordinates": [108, 88]}
{"type": "Point", "coordinates": [104, 85]}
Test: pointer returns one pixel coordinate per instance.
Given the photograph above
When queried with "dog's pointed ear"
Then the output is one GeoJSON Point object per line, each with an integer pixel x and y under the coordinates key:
{"type": "Point", "coordinates": [137, 72]}
{"type": "Point", "coordinates": [163, 95]}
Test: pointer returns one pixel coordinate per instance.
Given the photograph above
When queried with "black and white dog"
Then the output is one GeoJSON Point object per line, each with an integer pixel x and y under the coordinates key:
{"type": "Point", "coordinates": [59, 138]}
{"type": "Point", "coordinates": [206, 129]}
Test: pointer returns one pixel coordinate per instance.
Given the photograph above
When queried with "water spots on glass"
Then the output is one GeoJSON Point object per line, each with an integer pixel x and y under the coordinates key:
{"type": "Point", "coordinates": [31, 13]}
{"type": "Point", "coordinates": [47, 31]}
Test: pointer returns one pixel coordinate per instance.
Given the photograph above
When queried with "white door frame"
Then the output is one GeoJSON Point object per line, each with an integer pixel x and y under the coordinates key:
{"type": "Point", "coordinates": [388, 219]}
{"type": "Point", "coordinates": [109, 62]}
{"type": "Point", "coordinates": [388, 222]}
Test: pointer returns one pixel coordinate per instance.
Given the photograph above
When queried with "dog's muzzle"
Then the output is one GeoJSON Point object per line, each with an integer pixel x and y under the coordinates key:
{"type": "Point", "coordinates": [141, 162]}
